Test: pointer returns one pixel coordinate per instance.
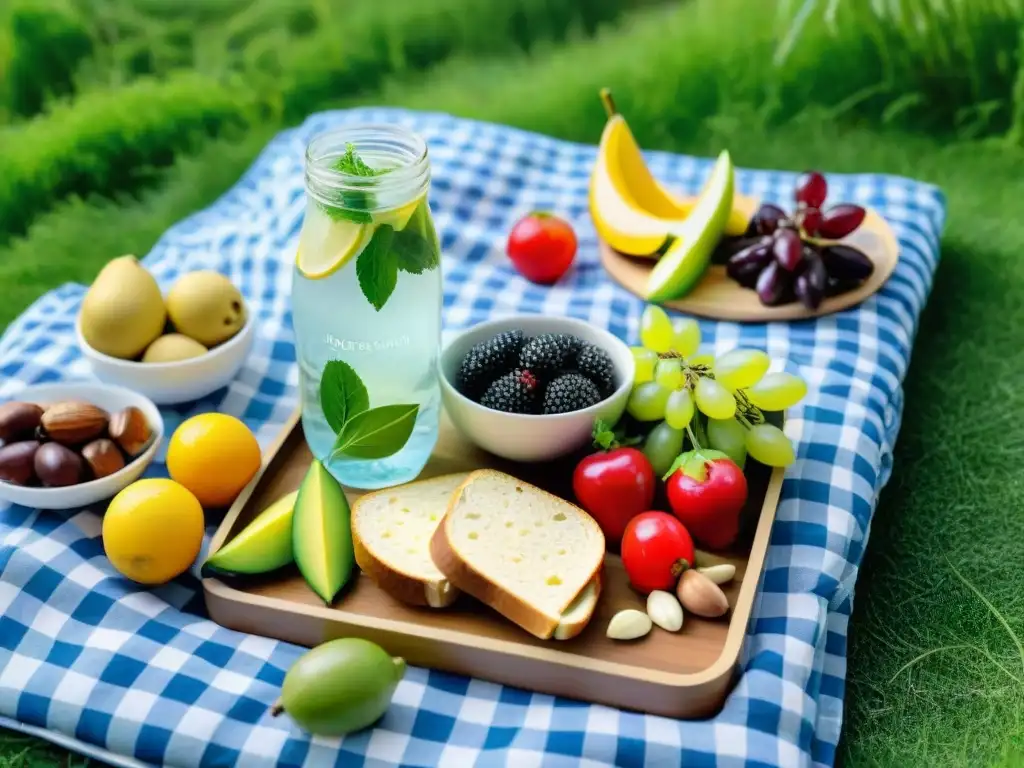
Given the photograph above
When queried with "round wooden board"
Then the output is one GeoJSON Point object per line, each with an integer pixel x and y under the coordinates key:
{"type": "Point", "coordinates": [718, 297]}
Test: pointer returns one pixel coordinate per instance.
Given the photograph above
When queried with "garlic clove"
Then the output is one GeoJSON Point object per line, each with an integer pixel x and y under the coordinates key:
{"type": "Point", "coordinates": [665, 611]}
{"type": "Point", "coordinates": [721, 573]}
{"type": "Point", "coordinates": [629, 625]}
{"type": "Point", "coordinates": [700, 595]}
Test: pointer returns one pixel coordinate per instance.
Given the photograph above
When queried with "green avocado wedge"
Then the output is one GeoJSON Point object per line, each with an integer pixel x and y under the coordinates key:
{"type": "Point", "coordinates": [686, 259]}
{"type": "Point", "coordinates": [322, 533]}
{"type": "Point", "coordinates": [264, 545]}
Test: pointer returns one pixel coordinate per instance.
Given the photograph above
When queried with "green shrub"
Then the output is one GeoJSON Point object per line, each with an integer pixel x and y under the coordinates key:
{"type": "Point", "coordinates": [41, 44]}
{"type": "Point", "coordinates": [107, 141]}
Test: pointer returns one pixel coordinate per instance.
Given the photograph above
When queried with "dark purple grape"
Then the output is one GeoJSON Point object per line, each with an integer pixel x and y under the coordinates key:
{"type": "Point", "coordinates": [745, 266]}
{"type": "Point", "coordinates": [766, 219]}
{"type": "Point", "coordinates": [729, 246]}
{"type": "Point", "coordinates": [746, 275]}
{"type": "Point", "coordinates": [840, 220]}
{"type": "Point", "coordinates": [810, 220]}
{"type": "Point", "coordinates": [810, 284]}
{"type": "Point", "coordinates": [844, 262]}
{"type": "Point", "coordinates": [772, 284]}
{"type": "Point", "coordinates": [788, 248]}
{"type": "Point", "coordinates": [837, 287]}
{"type": "Point", "coordinates": [811, 189]}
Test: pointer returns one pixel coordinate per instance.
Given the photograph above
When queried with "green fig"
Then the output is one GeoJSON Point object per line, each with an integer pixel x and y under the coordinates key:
{"type": "Point", "coordinates": [264, 545]}
{"type": "Point", "coordinates": [339, 687]}
{"type": "Point", "coordinates": [322, 533]}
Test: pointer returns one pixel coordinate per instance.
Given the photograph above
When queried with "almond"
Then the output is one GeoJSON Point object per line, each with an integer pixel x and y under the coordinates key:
{"type": "Point", "coordinates": [103, 457]}
{"type": "Point", "coordinates": [131, 430]}
{"type": "Point", "coordinates": [73, 422]}
{"type": "Point", "coordinates": [700, 595]}
{"type": "Point", "coordinates": [628, 625]}
{"type": "Point", "coordinates": [665, 611]}
{"type": "Point", "coordinates": [721, 573]}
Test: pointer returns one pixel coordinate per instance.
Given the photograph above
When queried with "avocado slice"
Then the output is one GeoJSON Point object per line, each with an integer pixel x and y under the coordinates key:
{"type": "Point", "coordinates": [322, 533]}
{"type": "Point", "coordinates": [263, 545]}
{"type": "Point", "coordinates": [687, 257]}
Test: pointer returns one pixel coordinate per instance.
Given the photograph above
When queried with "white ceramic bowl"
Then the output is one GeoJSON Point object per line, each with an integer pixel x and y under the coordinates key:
{"type": "Point", "coordinates": [109, 398]}
{"type": "Point", "coordinates": [178, 382]}
{"type": "Point", "coordinates": [529, 437]}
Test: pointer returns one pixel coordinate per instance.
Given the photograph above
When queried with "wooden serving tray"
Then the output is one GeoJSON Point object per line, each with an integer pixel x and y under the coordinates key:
{"type": "Point", "coordinates": [719, 297]}
{"type": "Point", "coordinates": [685, 674]}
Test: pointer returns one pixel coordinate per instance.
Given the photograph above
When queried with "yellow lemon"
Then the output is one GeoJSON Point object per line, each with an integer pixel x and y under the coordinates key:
{"type": "Point", "coordinates": [153, 530]}
{"type": "Point", "coordinates": [214, 455]}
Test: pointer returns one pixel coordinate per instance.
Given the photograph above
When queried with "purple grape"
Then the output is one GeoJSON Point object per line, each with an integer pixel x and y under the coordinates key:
{"type": "Point", "coordinates": [810, 284]}
{"type": "Point", "coordinates": [766, 219]}
{"type": "Point", "coordinates": [810, 220]}
{"type": "Point", "coordinates": [846, 263]}
{"type": "Point", "coordinates": [811, 189]}
{"type": "Point", "coordinates": [788, 249]}
{"type": "Point", "coordinates": [773, 284]}
{"type": "Point", "coordinates": [841, 220]}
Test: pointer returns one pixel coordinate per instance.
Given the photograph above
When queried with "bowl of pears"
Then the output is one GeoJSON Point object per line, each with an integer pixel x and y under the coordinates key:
{"type": "Point", "coordinates": [173, 349]}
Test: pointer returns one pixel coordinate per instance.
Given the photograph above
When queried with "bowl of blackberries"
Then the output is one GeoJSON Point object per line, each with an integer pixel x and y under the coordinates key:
{"type": "Point", "coordinates": [530, 388]}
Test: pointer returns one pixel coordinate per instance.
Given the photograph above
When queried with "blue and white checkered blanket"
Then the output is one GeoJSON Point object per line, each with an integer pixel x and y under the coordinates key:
{"type": "Point", "coordinates": [141, 676]}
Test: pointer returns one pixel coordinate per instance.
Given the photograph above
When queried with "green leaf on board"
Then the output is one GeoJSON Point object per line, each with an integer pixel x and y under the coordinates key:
{"type": "Point", "coordinates": [376, 433]}
{"type": "Point", "coordinates": [342, 394]}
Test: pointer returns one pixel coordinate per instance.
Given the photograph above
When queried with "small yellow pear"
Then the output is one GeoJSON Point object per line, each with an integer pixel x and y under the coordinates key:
{"type": "Point", "coordinates": [123, 310]}
{"type": "Point", "coordinates": [172, 347]}
{"type": "Point", "coordinates": [206, 306]}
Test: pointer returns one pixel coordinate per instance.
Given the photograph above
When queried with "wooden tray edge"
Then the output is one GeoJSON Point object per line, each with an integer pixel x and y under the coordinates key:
{"type": "Point", "coordinates": [220, 599]}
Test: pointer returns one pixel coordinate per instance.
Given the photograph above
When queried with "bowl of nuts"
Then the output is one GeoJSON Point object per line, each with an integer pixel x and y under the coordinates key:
{"type": "Point", "coordinates": [64, 446]}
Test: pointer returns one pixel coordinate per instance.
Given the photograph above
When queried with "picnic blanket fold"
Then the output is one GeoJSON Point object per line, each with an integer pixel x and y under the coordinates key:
{"type": "Point", "coordinates": [108, 666]}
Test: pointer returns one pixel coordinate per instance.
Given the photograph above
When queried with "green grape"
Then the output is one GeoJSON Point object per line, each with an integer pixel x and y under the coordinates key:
{"type": "Point", "coordinates": [741, 368]}
{"type": "Point", "coordinates": [705, 360]}
{"type": "Point", "coordinates": [647, 401]}
{"type": "Point", "coordinates": [645, 361]}
{"type": "Point", "coordinates": [769, 445]}
{"type": "Point", "coordinates": [679, 408]}
{"type": "Point", "coordinates": [656, 329]}
{"type": "Point", "coordinates": [685, 336]}
{"type": "Point", "coordinates": [729, 437]}
{"type": "Point", "coordinates": [713, 399]}
{"type": "Point", "coordinates": [777, 391]}
{"type": "Point", "coordinates": [669, 373]}
{"type": "Point", "coordinates": [662, 446]}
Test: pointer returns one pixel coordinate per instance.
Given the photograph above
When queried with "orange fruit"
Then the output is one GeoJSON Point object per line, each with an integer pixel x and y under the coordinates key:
{"type": "Point", "coordinates": [153, 530]}
{"type": "Point", "coordinates": [214, 455]}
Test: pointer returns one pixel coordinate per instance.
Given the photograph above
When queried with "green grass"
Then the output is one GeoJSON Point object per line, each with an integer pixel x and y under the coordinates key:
{"type": "Point", "coordinates": [953, 505]}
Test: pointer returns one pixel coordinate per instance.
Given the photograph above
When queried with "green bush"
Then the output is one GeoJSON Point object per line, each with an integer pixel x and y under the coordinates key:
{"type": "Point", "coordinates": [108, 141]}
{"type": "Point", "coordinates": [41, 44]}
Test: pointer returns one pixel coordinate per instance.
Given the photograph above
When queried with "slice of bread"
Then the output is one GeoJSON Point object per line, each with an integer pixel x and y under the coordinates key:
{"type": "Point", "coordinates": [533, 557]}
{"type": "Point", "coordinates": [391, 531]}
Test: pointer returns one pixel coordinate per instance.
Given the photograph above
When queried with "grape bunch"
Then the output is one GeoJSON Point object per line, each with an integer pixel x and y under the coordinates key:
{"type": "Point", "coordinates": [714, 402]}
{"type": "Point", "coordinates": [796, 258]}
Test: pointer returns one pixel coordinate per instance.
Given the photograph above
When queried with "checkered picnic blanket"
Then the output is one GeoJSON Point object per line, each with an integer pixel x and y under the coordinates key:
{"type": "Point", "coordinates": [141, 676]}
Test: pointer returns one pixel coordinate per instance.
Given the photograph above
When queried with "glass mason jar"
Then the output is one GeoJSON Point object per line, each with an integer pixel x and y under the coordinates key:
{"type": "Point", "coordinates": [366, 306]}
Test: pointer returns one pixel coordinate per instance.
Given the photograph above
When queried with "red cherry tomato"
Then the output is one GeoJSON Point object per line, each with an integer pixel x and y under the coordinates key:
{"type": "Point", "coordinates": [707, 493]}
{"type": "Point", "coordinates": [656, 549]}
{"type": "Point", "coordinates": [614, 486]}
{"type": "Point", "coordinates": [541, 247]}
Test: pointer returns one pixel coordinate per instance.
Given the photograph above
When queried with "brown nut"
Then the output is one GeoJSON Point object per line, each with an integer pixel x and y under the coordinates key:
{"type": "Point", "coordinates": [56, 465]}
{"type": "Point", "coordinates": [131, 430]}
{"type": "Point", "coordinates": [701, 596]}
{"type": "Point", "coordinates": [74, 422]}
{"type": "Point", "coordinates": [18, 420]}
{"type": "Point", "coordinates": [103, 457]}
{"type": "Point", "coordinates": [16, 462]}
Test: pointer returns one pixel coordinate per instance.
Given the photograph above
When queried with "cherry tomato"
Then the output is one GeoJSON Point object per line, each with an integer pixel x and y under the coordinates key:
{"type": "Point", "coordinates": [707, 492]}
{"type": "Point", "coordinates": [656, 549]}
{"type": "Point", "coordinates": [541, 247]}
{"type": "Point", "coordinates": [614, 486]}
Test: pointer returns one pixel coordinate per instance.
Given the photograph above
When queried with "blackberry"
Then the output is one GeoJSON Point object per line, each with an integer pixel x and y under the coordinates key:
{"type": "Point", "coordinates": [548, 353]}
{"type": "Point", "coordinates": [594, 363]}
{"type": "Point", "coordinates": [487, 360]}
{"type": "Point", "coordinates": [514, 392]}
{"type": "Point", "coordinates": [570, 392]}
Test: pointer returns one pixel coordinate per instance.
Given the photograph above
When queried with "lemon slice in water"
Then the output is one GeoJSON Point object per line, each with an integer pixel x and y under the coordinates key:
{"type": "Point", "coordinates": [397, 218]}
{"type": "Point", "coordinates": [320, 257]}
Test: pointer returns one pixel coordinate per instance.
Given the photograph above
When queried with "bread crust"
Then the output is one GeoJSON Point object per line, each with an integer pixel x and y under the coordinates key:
{"type": "Point", "coordinates": [467, 579]}
{"type": "Point", "coordinates": [400, 585]}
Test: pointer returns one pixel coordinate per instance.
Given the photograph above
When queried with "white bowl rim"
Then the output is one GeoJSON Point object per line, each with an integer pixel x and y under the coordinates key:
{"type": "Point", "coordinates": [221, 349]}
{"type": "Point", "coordinates": [512, 319]}
{"type": "Point", "coordinates": [145, 458]}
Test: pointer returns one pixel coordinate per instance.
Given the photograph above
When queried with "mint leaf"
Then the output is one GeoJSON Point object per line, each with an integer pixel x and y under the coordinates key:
{"type": "Point", "coordinates": [353, 164]}
{"type": "Point", "coordinates": [376, 267]}
{"type": "Point", "coordinates": [376, 433]}
{"type": "Point", "coordinates": [354, 205]}
{"type": "Point", "coordinates": [342, 394]}
{"type": "Point", "coordinates": [414, 253]}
